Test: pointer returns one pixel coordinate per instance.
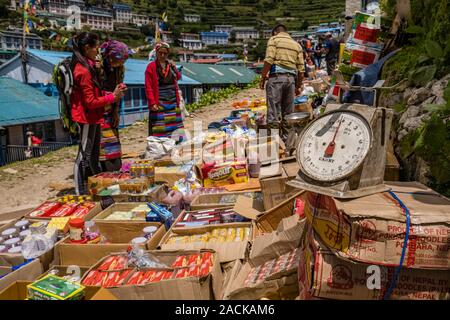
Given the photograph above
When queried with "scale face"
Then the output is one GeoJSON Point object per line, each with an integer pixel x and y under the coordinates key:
{"type": "Point", "coordinates": [342, 153]}
{"type": "Point", "coordinates": [334, 146]}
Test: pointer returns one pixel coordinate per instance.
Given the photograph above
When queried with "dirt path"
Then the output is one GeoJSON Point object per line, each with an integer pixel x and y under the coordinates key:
{"type": "Point", "coordinates": [29, 183]}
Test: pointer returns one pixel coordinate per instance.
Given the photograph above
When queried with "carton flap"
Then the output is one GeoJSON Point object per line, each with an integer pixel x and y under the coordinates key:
{"type": "Point", "coordinates": [248, 208]}
{"type": "Point", "coordinates": [104, 294]}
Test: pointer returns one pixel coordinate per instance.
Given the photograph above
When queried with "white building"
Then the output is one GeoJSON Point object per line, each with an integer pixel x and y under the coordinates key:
{"type": "Point", "coordinates": [12, 40]}
{"type": "Point", "coordinates": [266, 34]}
{"type": "Point", "coordinates": [223, 28]}
{"type": "Point", "coordinates": [167, 36]}
{"type": "Point", "coordinates": [140, 19]}
{"type": "Point", "coordinates": [192, 18]}
{"type": "Point", "coordinates": [97, 20]}
{"type": "Point", "coordinates": [214, 38]}
{"type": "Point", "coordinates": [191, 44]}
{"type": "Point", "coordinates": [245, 33]}
{"type": "Point", "coordinates": [122, 13]}
{"type": "Point", "coordinates": [189, 36]}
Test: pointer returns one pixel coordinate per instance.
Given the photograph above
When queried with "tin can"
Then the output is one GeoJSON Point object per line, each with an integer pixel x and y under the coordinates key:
{"type": "Point", "coordinates": [11, 243]}
{"type": "Point", "coordinates": [22, 225]}
{"type": "Point", "coordinates": [23, 234]}
{"type": "Point", "coordinates": [149, 231]}
{"type": "Point", "coordinates": [10, 233]}
{"type": "Point", "coordinates": [15, 250]}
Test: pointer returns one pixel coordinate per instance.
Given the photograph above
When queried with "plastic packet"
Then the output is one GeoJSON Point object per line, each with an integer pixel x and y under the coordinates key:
{"type": "Point", "coordinates": [138, 258]}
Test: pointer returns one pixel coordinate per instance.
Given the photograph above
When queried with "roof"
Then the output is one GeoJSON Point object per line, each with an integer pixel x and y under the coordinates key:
{"type": "Point", "coordinates": [218, 74]}
{"type": "Point", "coordinates": [134, 68]}
{"type": "Point", "coordinates": [245, 29]}
{"type": "Point", "coordinates": [30, 105]}
{"type": "Point", "coordinates": [207, 61]}
{"type": "Point", "coordinates": [121, 6]}
{"type": "Point", "coordinates": [19, 34]}
{"type": "Point", "coordinates": [214, 34]}
{"type": "Point", "coordinates": [228, 56]}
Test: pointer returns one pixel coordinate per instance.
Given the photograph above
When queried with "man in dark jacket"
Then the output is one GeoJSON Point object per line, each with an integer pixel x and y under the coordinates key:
{"type": "Point", "coordinates": [331, 47]}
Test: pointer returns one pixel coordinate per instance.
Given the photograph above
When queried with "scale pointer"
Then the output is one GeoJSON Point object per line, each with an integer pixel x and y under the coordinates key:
{"type": "Point", "coordinates": [329, 151]}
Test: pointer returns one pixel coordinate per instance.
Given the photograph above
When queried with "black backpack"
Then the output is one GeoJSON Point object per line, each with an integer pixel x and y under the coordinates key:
{"type": "Point", "coordinates": [63, 80]}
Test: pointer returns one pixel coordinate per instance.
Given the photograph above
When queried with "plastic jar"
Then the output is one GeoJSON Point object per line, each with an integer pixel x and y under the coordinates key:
{"type": "Point", "coordinates": [139, 241]}
{"type": "Point", "coordinates": [77, 230]}
{"type": "Point", "coordinates": [23, 234]}
{"type": "Point", "coordinates": [11, 243]}
{"type": "Point", "coordinates": [2, 248]}
{"type": "Point", "coordinates": [22, 225]}
{"type": "Point", "coordinates": [10, 234]}
{"type": "Point", "coordinates": [149, 231]}
{"type": "Point", "coordinates": [15, 250]}
{"type": "Point", "coordinates": [91, 232]}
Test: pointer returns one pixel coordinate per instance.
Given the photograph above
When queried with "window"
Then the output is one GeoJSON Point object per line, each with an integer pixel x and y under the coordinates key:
{"type": "Point", "coordinates": [136, 97]}
{"type": "Point", "coordinates": [127, 99]}
{"type": "Point", "coordinates": [144, 97]}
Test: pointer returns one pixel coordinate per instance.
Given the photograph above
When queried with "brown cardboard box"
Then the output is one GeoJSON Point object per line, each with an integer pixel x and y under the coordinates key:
{"type": "Point", "coordinates": [118, 234]}
{"type": "Point", "coordinates": [28, 272]}
{"type": "Point", "coordinates": [266, 221]}
{"type": "Point", "coordinates": [192, 288]}
{"type": "Point", "coordinates": [285, 239]}
{"type": "Point", "coordinates": [159, 193]}
{"type": "Point", "coordinates": [121, 206]}
{"type": "Point", "coordinates": [274, 188]}
{"type": "Point", "coordinates": [372, 229]}
{"type": "Point", "coordinates": [227, 251]}
{"type": "Point", "coordinates": [66, 270]}
{"type": "Point", "coordinates": [212, 201]}
{"type": "Point", "coordinates": [18, 291]}
{"type": "Point", "coordinates": [324, 275]}
{"type": "Point", "coordinates": [170, 174]}
{"type": "Point", "coordinates": [104, 294]}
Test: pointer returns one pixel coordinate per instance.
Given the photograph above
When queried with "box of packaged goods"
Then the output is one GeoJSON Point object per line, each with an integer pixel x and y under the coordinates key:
{"type": "Point", "coordinates": [130, 212]}
{"type": "Point", "coordinates": [192, 219]}
{"type": "Point", "coordinates": [230, 241]}
{"type": "Point", "coordinates": [55, 288]}
{"type": "Point", "coordinates": [15, 291]}
{"type": "Point", "coordinates": [366, 29]}
{"type": "Point", "coordinates": [26, 239]}
{"type": "Point", "coordinates": [222, 174]}
{"type": "Point", "coordinates": [267, 221]}
{"type": "Point", "coordinates": [72, 273]}
{"type": "Point", "coordinates": [130, 191]}
{"type": "Point", "coordinates": [269, 271]}
{"type": "Point", "coordinates": [322, 274]}
{"type": "Point", "coordinates": [171, 174]}
{"type": "Point", "coordinates": [88, 242]}
{"type": "Point", "coordinates": [67, 206]}
{"type": "Point", "coordinates": [220, 200]}
{"type": "Point", "coordinates": [104, 180]}
{"type": "Point", "coordinates": [361, 56]}
{"type": "Point", "coordinates": [27, 271]}
{"type": "Point", "coordinates": [372, 229]}
{"type": "Point", "coordinates": [162, 275]}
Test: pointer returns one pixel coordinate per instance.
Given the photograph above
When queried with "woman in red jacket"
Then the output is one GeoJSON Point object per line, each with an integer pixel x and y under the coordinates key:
{"type": "Point", "coordinates": [161, 87]}
{"type": "Point", "coordinates": [88, 103]}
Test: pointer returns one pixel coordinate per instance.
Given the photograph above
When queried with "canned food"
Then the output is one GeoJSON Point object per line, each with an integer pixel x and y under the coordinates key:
{"type": "Point", "coordinates": [23, 234]}
{"type": "Point", "coordinates": [149, 231]}
{"type": "Point", "coordinates": [11, 243]}
{"type": "Point", "coordinates": [22, 225]}
{"type": "Point", "coordinates": [139, 241]}
{"type": "Point", "coordinates": [9, 233]}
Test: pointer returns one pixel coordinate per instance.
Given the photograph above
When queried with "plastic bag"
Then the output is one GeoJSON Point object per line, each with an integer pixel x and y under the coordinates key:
{"type": "Point", "coordinates": [140, 259]}
{"type": "Point", "coordinates": [158, 147]}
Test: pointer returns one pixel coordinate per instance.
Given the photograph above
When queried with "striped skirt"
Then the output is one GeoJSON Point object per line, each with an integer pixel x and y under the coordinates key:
{"type": "Point", "coordinates": [110, 147]}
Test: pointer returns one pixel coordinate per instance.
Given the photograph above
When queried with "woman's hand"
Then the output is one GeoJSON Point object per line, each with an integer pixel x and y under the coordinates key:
{"type": "Point", "coordinates": [119, 92]}
{"type": "Point", "coordinates": [154, 107]}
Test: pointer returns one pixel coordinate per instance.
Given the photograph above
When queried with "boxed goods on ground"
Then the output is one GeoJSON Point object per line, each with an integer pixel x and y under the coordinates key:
{"type": "Point", "coordinates": [51, 287]}
{"type": "Point", "coordinates": [190, 219]}
{"type": "Point", "coordinates": [72, 273]}
{"type": "Point", "coordinates": [322, 274]}
{"type": "Point", "coordinates": [267, 148]}
{"type": "Point", "coordinates": [362, 56]}
{"type": "Point", "coordinates": [118, 237]}
{"type": "Point", "coordinates": [27, 271]}
{"type": "Point", "coordinates": [219, 200]}
{"type": "Point", "coordinates": [273, 182]}
{"type": "Point", "coordinates": [271, 271]}
{"type": "Point", "coordinates": [230, 241]}
{"type": "Point", "coordinates": [106, 179]}
{"type": "Point", "coordinates": [156, 192]}
{"type": "Point", "coordinates": [267, 221]}
{"type": "Point", "coordinates": [371, 229]}
{"type": "Point", "coordinates": [171, 174]}
{"type": "Point", "coordinates": [124, 212]}
{"type": "Point", "coordinates": [180, 275]}
{"type": "Point", "coordinates": [67, 206]}
{"type": "Point", "coordinates": [220, 174]}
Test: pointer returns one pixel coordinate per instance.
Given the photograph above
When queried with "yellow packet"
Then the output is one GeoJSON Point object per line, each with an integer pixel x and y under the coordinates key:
{"type": "Point", "coordinates": [223, 232]}
{"type": "Point", "coordinates": [231, 234]}
{"type": "Point", "coordinates": [246, 233]}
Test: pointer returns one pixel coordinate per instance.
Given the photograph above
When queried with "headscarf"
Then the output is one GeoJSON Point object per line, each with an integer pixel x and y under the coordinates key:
{"type": "Point", "coordinates": [115, 49]}
{"type": "Point", "coordinates": [162, 45]}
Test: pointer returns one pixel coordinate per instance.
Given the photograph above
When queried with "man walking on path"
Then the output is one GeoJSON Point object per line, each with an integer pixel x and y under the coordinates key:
{"type": "Point", "coordinates": [283, 70]}
{"type": "Point", "coordinates": [331, 46]}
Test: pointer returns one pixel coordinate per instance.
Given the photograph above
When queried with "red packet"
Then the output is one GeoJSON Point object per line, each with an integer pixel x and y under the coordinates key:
{"type": "Point", "coordinates": [179, 262]}
{"type": "Point", "coordinates": [193, 260]}
{"type": "Point", "coordinates": [65, 210]}
{"type": "Point", "coordinates": [181, 273]}
{"type": "Point", "coordinates": [90, 278]}
{"type": "Point", "coordinates": [158, 276]}
{"type": "Point", "coordinates": [121, 278]}
{"type": "Point", "coordinates": [194, 271]}
{"type": "Point", "coordinates": [106, 264]}
{"type": "Point", "coordinates": [167, 275]}
{"type": "Point", "coordinates": [45, 209]}
{"type": "Point", "coordinates": [205, 268]}
{"type": "Point", "coordinates": [207, 257]}
{"type": "Point", "coordinates": [134, 278]}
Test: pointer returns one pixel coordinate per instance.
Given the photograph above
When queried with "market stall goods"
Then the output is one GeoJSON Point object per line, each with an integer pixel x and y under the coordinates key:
{"type": "Point", "coordinates": [67, 206]}
{"type": "Point", "coordinates": [220, 174]}
{"type": "Point", "coordinates": [216, 235]}
{"type": "Point", "coordinates": [208, 217]}
{"type": "Point", "coordinates": [55, 288]}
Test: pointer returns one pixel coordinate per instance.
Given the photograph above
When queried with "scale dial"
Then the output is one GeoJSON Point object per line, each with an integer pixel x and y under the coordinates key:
{"type": "Point", "coordinates": [334, 146]}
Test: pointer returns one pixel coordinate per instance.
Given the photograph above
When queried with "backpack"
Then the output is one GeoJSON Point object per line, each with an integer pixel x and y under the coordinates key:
{"type": "Point", "coordinates": [63, 80]}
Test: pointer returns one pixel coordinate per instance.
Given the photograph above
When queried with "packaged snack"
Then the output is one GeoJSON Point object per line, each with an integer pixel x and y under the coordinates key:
{"type": "Point", "coordinates": [252, 276]}
{"type": "Point", "coordinates": [231, 234]}
{"type": "Point", "coordinates": [220, 174]}
{"type": "Point", "coordinates": [90, 277]}
{"type": "Point", "coordinates": [179, 262]}
{"type": "Point", "coordinates": [193, 260]}
{"type": "Point", "coordinates": [55, 288]}
{"type": "Point", "coordinates": [181, 273]}
{"type": "Point", "coordinates": [206, 257]}
{"type": "Point", "coordinates": [64, 211]}
{"type": "Point", "coordinates": [134, 278]}
{"type": "Point", "coordinates": [46, 209]}
{"type": "Point", "coordinates": [193, 271]}
{"type": "Point", "coordinates": [205, 268]}
{"type": "Point", "coordinates": [83, 209]}
{"type": "Point", "coordinates": [159, 275]}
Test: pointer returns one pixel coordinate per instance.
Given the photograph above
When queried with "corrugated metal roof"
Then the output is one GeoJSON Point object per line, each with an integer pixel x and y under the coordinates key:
{"type": "Point", "coordinates": [134, 68]}
{"type": "Point", "coordinates": [218, 74]}
{"type": "Point", "coordinates": [21, 104]}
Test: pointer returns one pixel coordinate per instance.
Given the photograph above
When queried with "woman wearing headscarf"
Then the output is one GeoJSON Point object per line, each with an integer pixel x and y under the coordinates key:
{"type": "Point", "coordinates": [161, 87]}
{"type": "Point", "coordinates": [88, 102]}
{"type": "Point", "coordinates": [112, 57]}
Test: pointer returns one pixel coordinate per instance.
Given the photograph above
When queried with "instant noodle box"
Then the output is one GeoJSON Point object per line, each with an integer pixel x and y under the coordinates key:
{"type": "Point", "coordinates": [55, 288]}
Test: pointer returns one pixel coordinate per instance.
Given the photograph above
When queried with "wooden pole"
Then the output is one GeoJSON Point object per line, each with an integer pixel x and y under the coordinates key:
{"type": "Point", "coordinates": [23, 50]}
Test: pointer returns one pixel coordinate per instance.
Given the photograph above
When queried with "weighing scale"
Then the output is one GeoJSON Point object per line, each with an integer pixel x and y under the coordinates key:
{"type": "Point", "coordinates": [343, 152]}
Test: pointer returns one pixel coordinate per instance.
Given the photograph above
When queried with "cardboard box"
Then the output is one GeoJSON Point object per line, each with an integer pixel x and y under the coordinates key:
{"type": "Point", "coordinates": [267, 148]}
{"type": "Point", "coordinates": [212, 201]}
{"type": "Point", "coordinates": [274, 187]}
{"type": "Point", "coordinates": [157, 194]}
{"type": "Point", "coordinates": [66, 270]}
{"type": "Point", "coordinates": [104, 294]}
{"type": "Point", "coordinates": [121, 206]}
{"type": "Point", "coordinates": [120, 236]}
{"type": "Point", "coordinates": [27, 272]}
{"type": "Point", "coordinates": [171, 174]}
{"type": "Point", "coordinates": [266, 221]}
{"type": "Point", "coordinates": [51, 287]}
{"type": "Point", "coordinates": [324, 275]}
{"type": "Point", "coordinates": [191, 288]}
{"type": "Point", "coordinates": [18, 291]}
{"type": "Point", "coordinates": [94, 211]}
{"type": "Point", "coordinates": [227, 251]}
{"type": "Point", "coordinates": [285, 239]}
{"type": "Point", "coordinates": [372, 229]}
